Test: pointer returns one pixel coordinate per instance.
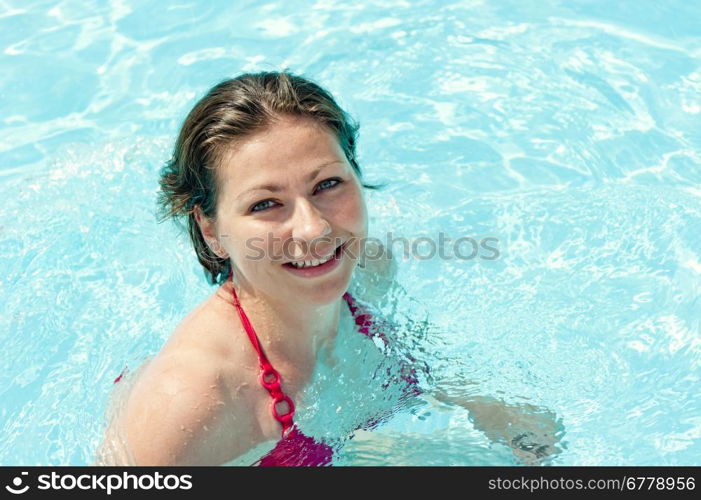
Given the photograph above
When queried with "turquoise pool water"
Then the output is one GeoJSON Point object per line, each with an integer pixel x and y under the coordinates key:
{"type": "Point", "coordinates": [570, 131]}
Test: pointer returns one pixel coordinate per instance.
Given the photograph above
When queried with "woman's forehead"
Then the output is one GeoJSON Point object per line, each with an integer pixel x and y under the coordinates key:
{"type": "Point", "coordinates": [285, 148]}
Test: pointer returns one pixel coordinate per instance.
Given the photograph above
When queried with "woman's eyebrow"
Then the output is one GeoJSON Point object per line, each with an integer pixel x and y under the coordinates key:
{"type": "Point", "coordinates": [275, 188]}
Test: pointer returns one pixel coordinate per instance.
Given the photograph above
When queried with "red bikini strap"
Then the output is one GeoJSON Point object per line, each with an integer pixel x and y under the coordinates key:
{"type": "Point", "coordinates": [364, 320]}
{"type": "Point", "coordinates": [269, 376]}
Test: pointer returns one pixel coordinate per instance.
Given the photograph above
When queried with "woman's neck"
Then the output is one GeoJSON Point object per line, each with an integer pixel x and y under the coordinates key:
{"type": "Point", "coordinates": [288, 333]}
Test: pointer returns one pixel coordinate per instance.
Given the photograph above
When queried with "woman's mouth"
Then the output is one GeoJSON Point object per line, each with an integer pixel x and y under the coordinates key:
{"type": "Point", "coordinates": [313, 268]}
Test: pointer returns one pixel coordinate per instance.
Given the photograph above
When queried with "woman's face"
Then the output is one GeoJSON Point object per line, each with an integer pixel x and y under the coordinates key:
{"type": "Point", "coordinates": [286, 194]}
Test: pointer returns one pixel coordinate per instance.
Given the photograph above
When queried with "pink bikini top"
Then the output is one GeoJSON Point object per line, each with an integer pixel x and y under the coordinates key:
{"type": "Point", "coordinates": [295, 448]}
{"type": "Point", "coordinates": [269, 376]}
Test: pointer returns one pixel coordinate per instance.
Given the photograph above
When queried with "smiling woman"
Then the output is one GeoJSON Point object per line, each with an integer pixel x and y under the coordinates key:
{"type": "Point", "coordinates": [264, 175]}
{"type": "Point", "coordinates": [266, 158]}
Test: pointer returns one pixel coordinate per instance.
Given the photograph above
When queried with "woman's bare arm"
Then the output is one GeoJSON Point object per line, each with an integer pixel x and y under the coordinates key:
{"type": "Point", "coordinates": [532, 432]}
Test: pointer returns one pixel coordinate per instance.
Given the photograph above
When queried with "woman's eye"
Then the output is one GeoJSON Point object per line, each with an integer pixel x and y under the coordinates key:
{"type": "Point", "coordinates": [329, 183]}
{"type": "Point", "coordinates": [263, 205]}
{"type": "Point", "coordinates": [322, 186]}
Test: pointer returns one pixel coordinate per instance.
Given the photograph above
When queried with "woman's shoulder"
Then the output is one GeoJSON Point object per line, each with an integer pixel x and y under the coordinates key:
{"type": "Point", "coordinates": [184, 407]}
{"type": "Point", "coordinates": [210, 330]}
{"type": "Point", "coordinates": [182, 410]}
{"type": "Point", "coordinates": [204, 350]}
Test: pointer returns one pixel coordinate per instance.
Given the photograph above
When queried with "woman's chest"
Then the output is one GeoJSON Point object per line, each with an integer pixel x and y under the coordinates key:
{"type": "Point", "coordinates": [353, 382]}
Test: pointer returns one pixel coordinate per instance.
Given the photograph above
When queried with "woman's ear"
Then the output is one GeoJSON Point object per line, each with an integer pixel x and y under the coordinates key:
{"type": "Point", "coordinates": [208, 228]}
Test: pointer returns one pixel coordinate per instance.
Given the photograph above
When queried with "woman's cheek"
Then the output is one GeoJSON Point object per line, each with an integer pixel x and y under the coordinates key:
{"type": "Point", "coordinates": [357, 224]}
{"type": "Point", "coordinates": [279, 250]}
{"type": "Point", "coordinates": [360, 217]}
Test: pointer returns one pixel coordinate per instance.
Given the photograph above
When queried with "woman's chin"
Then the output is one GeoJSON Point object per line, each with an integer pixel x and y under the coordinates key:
{"type": "Point", "coordinates": [323, 291]}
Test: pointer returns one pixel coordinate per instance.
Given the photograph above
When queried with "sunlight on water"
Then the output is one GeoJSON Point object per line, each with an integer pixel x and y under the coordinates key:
{"type": "Point", "coordinates": [568, 133]}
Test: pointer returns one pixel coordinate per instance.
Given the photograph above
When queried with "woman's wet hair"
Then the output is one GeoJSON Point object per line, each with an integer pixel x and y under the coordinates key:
{"type": "Point", "coordinates": [230, 112]}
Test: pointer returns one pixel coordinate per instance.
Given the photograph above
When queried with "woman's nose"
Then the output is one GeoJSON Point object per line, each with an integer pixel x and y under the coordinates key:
{"type": "Point", "coordinates": [308, 223]}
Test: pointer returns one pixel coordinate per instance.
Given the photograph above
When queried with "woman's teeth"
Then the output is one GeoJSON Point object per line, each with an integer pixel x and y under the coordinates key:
{"type": "Point", "coordinates": [311, 263]}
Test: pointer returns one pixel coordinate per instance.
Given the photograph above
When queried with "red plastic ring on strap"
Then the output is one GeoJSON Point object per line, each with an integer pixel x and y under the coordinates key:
{"type": "Point", "coordinates": [287, 417]}
{"type": "Point", "coordinates": [271, 385]}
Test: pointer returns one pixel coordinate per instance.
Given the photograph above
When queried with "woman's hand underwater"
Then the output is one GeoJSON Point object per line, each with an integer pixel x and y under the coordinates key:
{"type": "Point", "coordinates": [532, 432]}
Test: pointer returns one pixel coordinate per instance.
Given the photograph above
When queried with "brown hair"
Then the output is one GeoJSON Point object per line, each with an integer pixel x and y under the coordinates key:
{"type": "Point", "coordinates": [229, 112]}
